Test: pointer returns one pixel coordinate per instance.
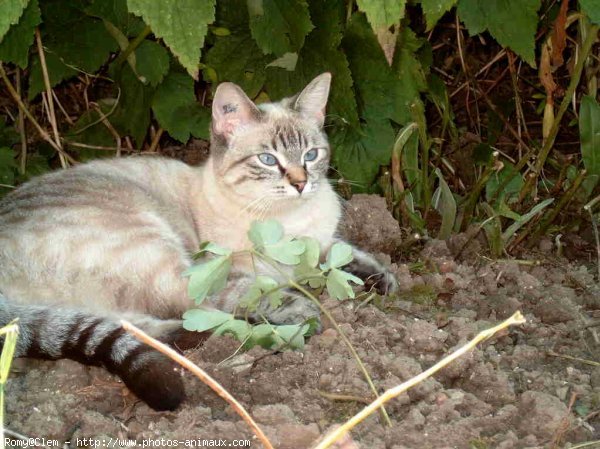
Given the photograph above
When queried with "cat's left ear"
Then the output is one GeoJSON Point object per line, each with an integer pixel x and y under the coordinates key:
{"type": "Point", "coordinates": [311, 102]}
{"type": "Point", "coordinates": [232, 109]}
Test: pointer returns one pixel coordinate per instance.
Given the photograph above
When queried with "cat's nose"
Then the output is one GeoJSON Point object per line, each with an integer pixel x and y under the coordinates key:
{"type": "Point", "coordinates": [299, 185]}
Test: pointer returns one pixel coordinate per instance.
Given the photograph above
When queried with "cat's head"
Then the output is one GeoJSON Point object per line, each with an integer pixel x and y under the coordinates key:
{"type": "Point", "coordinates": [277, 151]}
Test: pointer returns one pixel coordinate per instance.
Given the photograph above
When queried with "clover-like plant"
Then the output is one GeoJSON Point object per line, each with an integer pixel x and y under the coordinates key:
{"type": "Point", "coordinates": [295, 262]}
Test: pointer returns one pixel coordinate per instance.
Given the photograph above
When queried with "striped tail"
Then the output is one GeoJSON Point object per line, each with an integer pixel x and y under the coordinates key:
{"type": "Point", "coordinates": [50, 332]}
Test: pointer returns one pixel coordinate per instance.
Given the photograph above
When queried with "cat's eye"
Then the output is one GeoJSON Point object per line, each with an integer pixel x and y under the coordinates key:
{"type": "Point", "coordinates": [311, 155]}
{"type": "Point", "coordinates": [267, 158]}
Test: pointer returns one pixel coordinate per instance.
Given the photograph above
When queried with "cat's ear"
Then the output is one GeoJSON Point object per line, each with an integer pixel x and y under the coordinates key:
{"type": "Point", "coordinates": [311, 102]}
{"type": "Point", "coordinates": [231, 109]}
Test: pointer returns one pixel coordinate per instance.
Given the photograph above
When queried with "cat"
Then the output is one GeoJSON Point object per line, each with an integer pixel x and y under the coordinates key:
{"type": "Point", "coordinates": [82, 248]}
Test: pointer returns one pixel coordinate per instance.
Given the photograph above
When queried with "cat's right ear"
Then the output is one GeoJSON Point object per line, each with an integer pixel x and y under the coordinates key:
{"type": "Point", "coordinates": [232, 109]}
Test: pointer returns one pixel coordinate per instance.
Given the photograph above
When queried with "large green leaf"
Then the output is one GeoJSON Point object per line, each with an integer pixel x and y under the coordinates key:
{"type": "Point", "coordinates": [513, 23]}
{"type": "Point", "coordinates": [435, 9]}
{"type": "Point", "coordinates": [177, 110]}
{"type": "Point", "coordinates": [11, 12]}
{"type": "Point", "coordinates": [338, 284]}
{"type": "Point", "coordinates": [182, 24]}
{"type": "Point", "coordinates": [320, 53]}
{"type": "Point", "coordinates": [382, 13]}
{"type": "Point", "coordinates": [359, 151]}
{"type": "Point", "coordinates": [381, 91]}
{"type": "Point", "coordinates": [152, 62]}
{"type": "Point", "coordinates": [592, 9]}
{"type": "Point", "coordinates": [236, 58]}
{"type": "Point", "coordinates": [202, 320]}
{"type": "Point", "coordinates": [339, 254]}
{"type": "Point", "coordinates": [443, 201]}
{"type": "Point", "coordinates": [15, 45]}
{"type": "Point", "coordinates": [279, 26]}
{"type": "Point", "coordinates": [132, 114]}
{"type": "Point", "coordinates": [73, 41]}
{"type": "Point", "coordinates": [589, 131]}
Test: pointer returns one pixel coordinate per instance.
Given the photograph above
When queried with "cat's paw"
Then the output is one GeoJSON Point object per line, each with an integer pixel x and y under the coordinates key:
{"type": "Point", "coordinates": [295, 309]}
{"type": "Point", "coordinates": [374, 274]}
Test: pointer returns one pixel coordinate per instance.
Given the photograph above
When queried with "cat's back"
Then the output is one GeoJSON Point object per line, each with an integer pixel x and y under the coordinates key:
{"type": "Point", "coordinates": [94, 222]}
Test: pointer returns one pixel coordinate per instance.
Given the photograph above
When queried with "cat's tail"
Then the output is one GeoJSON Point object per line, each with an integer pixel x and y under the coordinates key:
{"type": "Point", "coordinates": [51, 332]}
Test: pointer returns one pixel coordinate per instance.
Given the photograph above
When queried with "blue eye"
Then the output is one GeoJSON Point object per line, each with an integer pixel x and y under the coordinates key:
{"type": "Point", "coordinates": [311, 155]}
{"type": "Point", "coordinates": [267, 158]}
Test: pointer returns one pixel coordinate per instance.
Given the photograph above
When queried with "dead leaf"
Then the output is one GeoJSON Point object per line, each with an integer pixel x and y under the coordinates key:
{"type": "Point", "coordinates": [559, 35]}
{"type": "Point", "coordinates": [387, 38]}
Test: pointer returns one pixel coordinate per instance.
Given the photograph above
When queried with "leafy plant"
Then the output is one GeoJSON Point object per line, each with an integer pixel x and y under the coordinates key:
{"type": "Point", "coordinates": [143, 65]}
{"type": "Point", "coordinates": [274, 251]}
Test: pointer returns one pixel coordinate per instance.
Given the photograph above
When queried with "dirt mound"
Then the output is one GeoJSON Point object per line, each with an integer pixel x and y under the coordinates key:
{"type": "Point", "coordinates": [529, 387]}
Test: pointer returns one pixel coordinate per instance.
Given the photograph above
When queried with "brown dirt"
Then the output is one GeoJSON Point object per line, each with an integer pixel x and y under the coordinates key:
{"type": "Point", "coordinates": [514, 391]}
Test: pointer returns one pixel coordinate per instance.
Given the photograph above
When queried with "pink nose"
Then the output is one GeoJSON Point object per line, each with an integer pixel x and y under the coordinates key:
{"type": "Point", "coordinates": [299, 185]}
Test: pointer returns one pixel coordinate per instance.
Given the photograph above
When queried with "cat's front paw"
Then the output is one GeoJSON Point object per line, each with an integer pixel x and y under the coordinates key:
{"type": "Point", "coordinates": [374, 274]}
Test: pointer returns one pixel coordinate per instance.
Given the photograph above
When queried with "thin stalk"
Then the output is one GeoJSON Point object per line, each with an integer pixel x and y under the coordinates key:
{"type": "Point", "coordinates": [564, 105]}
{"type": "Point", "coordinates": [336, 434]}
{"type": "Point", "coordinates": [202, 375]}
{"type": "Point", "coordinates": [50, 98]}
{"type": "Point", "coordinates": [135, 43]}
{"type": "Point", "coordinates": [21, 126]}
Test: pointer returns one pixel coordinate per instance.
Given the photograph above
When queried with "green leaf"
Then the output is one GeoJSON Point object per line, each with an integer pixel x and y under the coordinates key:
{"type": "Point", "coordinates": [359, 151]}
{"type": "Point", "coordinates": [512, 189]}
{"type": "Point", "coordinates": [266, 232]}
{"type": "Point", "coordinates": [208, 278]}
{"type": "Point", "coordinates": [382, 13]}
{"type": "Point", "coordinates": [291, 335]}
{"type": "Point", "coordinates": [339, 254]}
{"type": "Point", "coordinates": [279, 26]}
{"type": "Point", "coordinates": [312, 252]}
{"type": "Point", "coordinates": [15, 45]}
{"type": "Point", "coordinates": [8, 166]}
{"type": "Point", "coordinates": [302, 271]}
{"type": "Point", "coordinates": [435, 9]}
{"type": "Point", "coordinates": [236, 58]}
{"type": "Point", "coordinates": [261, 286]}
{"type": "Point", "coordinates": [589, 131]}
{"type": "Point", "coordinates": [72, 40]}
{"type": "Point", "coordinates": [177, 110]}
{"type": "Point", "coordinates": [152, 62]}
{"type": "Point", "coordinates": [321, 53]}
{"type": "Point", "coordinates": [202, 320]}
{"type": "Point", "coordinates": [513, 23]}
{"type": "Point", "coordinates": [592, 9]}
{"type": "Point", "coordinates": [8, 134]}
{"type": "Point", "coordinates": [524, 219]}
{"type": "Point", "coordinates": [338, 284]}
{"type": "Point", "coordinates": [286, 251]}
{"type": "Point", "coordinates": [210, 247]}
{"type": "Point", "coordinates": [239, 329]}
{"type": "Point", "coordinates": [182, 24]}
{"type": "Point", "coordinates": [383, 92]}
{"type": "Point", "coordinates": [113, 11]}
{"type": "Point", "coordinates": [132, 115]}
{"type": "Point", "coordinates": [11, 12]}
{"type": "Point", "coordinates": [444, 202]}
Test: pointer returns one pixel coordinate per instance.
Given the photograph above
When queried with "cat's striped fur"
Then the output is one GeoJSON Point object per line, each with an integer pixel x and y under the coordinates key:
{"type": "Point", "coordinates": [84, 247]}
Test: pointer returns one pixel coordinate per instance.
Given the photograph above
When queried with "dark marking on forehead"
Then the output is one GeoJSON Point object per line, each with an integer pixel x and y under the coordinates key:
{"type": "Point", "coordinates": [282, 139]}
{"type": "Point", "coordinates": [274, 143]}
{"type": "Point", "coordinates": [229, 108]}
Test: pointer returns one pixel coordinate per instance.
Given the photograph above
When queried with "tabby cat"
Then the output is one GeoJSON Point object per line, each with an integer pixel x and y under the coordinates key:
{"type": "Point", "coordinates": [84, 247]}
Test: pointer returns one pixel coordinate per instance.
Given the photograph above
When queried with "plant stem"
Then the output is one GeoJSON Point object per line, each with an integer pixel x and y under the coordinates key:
{"type": "Point", "coordinates": [22, 131]}
{"type": "Point", "coordinates": [202, 375]}
{"type": "Point", "coordinates": [575, 78]}
{"type": "Point", "coordinates": [50, 99]}
{"type": "Point", "coordinates": [135, 43]}
{"type": "Point", "coordinates": [336, 326]}
{"type": "Point", "coordinates": [17, 98]}
{"type": "Point", "coordinates": [477, 188]}
{"type": "Point", "coordinates": [345, 339]}
{"type": "Point", "coordinates": [562, 202]}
